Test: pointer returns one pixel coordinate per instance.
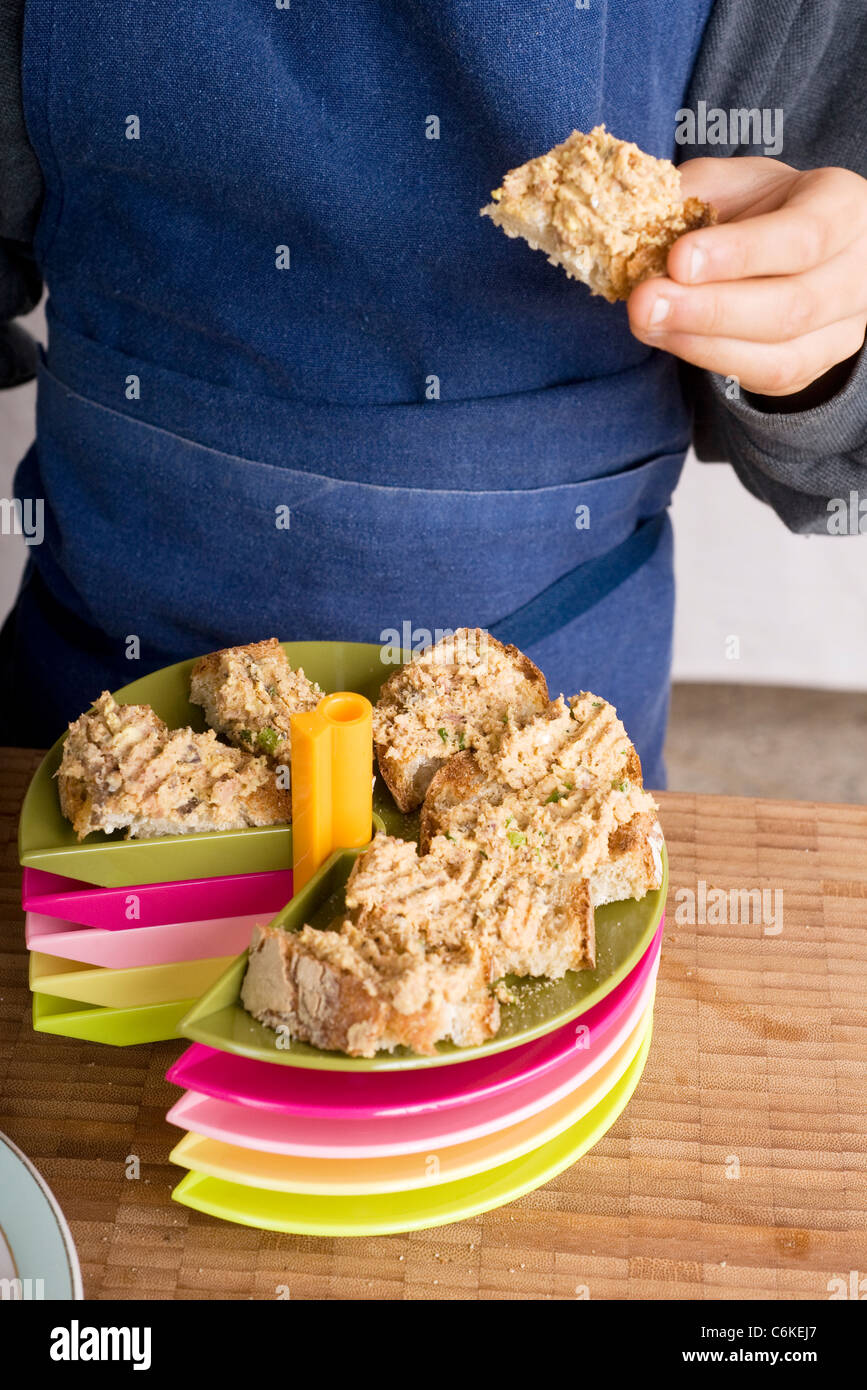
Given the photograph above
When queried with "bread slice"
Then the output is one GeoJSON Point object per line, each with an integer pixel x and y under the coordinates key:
{"type": "Point", "coordinates": [122, 768]}
{"type": "Point", "coordinates": [565, 790]}
{"type": "Point", "coordinates": [460, 693]}
{"type": "Point", "coordinates": [402, 969]}
{"type": "Point", "coordinates": [599, 207]}
{"type": "Point", "coordinates": [338, 991]}
{"type": "Point", "coordinates": [421, 952]}
{"type": "Point", "coordinates": [248, 695]}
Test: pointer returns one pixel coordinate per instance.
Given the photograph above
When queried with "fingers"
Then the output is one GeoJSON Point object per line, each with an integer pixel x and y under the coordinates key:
{"type": "Point", "coordinates": [825, 211]}
{"type": "Point", "coordinates": [770, 310]}
{"type": "Point", "coordinates": [775, 294]}
{"type": "Point", "coordinates": [770, 369]}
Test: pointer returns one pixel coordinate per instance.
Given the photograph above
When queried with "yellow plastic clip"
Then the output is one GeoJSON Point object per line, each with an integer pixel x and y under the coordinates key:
{"type": "Point", "coordinates": [332, 781]}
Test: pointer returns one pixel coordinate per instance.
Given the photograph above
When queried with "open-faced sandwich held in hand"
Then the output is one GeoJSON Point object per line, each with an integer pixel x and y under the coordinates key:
{"type": "Point", "coordinates": [599, 207]}
{"type": "Point", "coordinates": [460, 693]}
{"type": "Point", "coordinates": [122, 768]}
{"type": "Point", "coordinates": [248, 695]}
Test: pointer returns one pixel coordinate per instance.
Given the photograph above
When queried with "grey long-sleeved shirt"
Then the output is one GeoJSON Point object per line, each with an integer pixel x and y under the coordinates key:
{"type": "Point", "coordinates": [803, 58]}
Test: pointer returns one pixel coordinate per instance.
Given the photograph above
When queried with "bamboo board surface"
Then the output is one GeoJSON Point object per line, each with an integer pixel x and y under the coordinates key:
{"type": "Point", "coordinates": [739, 1169]}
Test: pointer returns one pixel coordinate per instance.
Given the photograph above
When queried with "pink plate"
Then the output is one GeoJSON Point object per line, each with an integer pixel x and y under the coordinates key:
{"type": "Point", "coordinates": [274, 1131]}
{"type": "Point", "coordinates": [156, 904]}
{"type": "Point", "coordinates": [343, 1095]}
{"type": "Point", "coordinates": [179, 941]}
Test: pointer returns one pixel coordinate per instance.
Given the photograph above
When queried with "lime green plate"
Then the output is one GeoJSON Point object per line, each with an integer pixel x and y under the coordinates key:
{"type": "Point", "coordinates": [623, 933]}
{"type": "Point", "coordinates": [121, 1027]}
{"type": "Point", "coordinates": [47, 841]}
{"type": "Point", "coordinates": [387, 1213]}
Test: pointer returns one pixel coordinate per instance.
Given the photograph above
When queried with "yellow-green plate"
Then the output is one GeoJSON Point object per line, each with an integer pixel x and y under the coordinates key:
{"type": "Point", "coordinates": [127, 988]}
{"type": "Point", "coordinates": [120, 1027]}
{"type": "Point", "coordinates": [47, 841]}
{"type": "Point", "coordinates": [386, 1213]}
{"type": "Point", "coordinates": [623, 933]}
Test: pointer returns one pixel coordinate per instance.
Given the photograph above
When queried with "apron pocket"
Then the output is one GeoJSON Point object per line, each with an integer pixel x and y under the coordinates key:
{"type": "Point", "coordinates": [190, 547]}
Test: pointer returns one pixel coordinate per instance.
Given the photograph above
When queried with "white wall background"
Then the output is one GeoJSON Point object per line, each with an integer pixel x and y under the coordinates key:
{"type": "Point", "coordinates": [796, 606]}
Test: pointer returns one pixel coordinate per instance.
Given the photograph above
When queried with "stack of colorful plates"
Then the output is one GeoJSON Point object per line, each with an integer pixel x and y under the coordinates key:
{"type": "Point", "coordinates": [283, 1136]}
{"type": "Point", "coordinates": [124, 965]}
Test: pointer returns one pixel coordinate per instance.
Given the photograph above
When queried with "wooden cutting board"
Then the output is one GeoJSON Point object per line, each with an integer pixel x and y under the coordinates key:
{"type": "Point", "coordinates": [737, 1171]}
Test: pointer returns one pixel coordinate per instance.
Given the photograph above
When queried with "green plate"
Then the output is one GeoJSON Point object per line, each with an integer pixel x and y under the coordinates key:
{"type": "Point", "coordinates": [37, 1256]}
{"type": "Point", "coordinates": [146, 1023]}
{"type": "Point", "coordinates": [386, 1213]}
{"type": "Point", "coordinates": [623, 933]}
{"type": "Point", "coordinates": [47, 841]}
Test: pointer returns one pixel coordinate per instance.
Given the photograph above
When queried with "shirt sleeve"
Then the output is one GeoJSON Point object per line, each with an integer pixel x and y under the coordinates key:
{"type": "Point", "coordinates": [808, 68]}
{"type": "Point", "coordinates": [20, 199]}
{"type": "Point", "coordinates": [797, 463]}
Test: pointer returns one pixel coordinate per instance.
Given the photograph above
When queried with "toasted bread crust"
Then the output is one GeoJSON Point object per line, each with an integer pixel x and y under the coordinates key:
{"type": "Point", "coordinates": [209, 664]}
{"type": "Point", "coordinates": [650, 257]}
{"type": "Point", "coordinates": [458, 780]}
{"type": "Point", "coordinates": [327, 1005]}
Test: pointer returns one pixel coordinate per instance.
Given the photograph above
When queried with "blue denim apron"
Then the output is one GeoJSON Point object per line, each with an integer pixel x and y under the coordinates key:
{"type": "Point", "coordinates": [295, 385]}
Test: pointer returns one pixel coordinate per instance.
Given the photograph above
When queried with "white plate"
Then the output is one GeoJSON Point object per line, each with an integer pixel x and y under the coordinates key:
{"type": "Point", "coordinates": [37, 1254]}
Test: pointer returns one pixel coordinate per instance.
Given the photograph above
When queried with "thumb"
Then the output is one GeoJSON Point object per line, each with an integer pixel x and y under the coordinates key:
{"type": "Point", "coordinates": [737, 187]}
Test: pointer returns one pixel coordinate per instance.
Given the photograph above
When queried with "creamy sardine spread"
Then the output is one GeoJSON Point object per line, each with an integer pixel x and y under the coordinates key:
{"type": "Point", "coordinates": [451, 697]}
{"type": "Point", "coordinates": [249, 695]}
{"type": "Point", "coordinates": [123, 768]}
{"type": "Point", "coordinates": [558, 789]}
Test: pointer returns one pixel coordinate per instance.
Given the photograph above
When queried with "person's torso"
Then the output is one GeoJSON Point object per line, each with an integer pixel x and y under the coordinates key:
{"type": "Point", "coordinates": [270, 288]}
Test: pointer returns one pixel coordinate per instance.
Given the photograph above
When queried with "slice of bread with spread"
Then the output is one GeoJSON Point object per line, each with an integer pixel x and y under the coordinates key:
{"type": "Point", "coordinates": [248, 695]}
{"type": "Point", "coordinates": [600, 208]}
{"type": "Point", "coordinates": [564, 791]}
{"type": "Point", "coordinates": [422, 951]}
{"type": "Point", "coordinates": [122, 768]}
{"type": "Point", "coordinates": [401, 969]}
{"type": "Point", "coordinates": [460, 693]}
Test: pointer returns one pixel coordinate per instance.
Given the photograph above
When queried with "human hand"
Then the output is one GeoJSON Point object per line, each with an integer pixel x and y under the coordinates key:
{"type": "Point", "coordinates": [775, 294]}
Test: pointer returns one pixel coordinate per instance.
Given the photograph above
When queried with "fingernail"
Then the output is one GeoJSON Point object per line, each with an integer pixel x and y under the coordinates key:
{"type": "Point", "coordinates": [697, 262]}
{"type": "Point", "coordinates": [659, 312]}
